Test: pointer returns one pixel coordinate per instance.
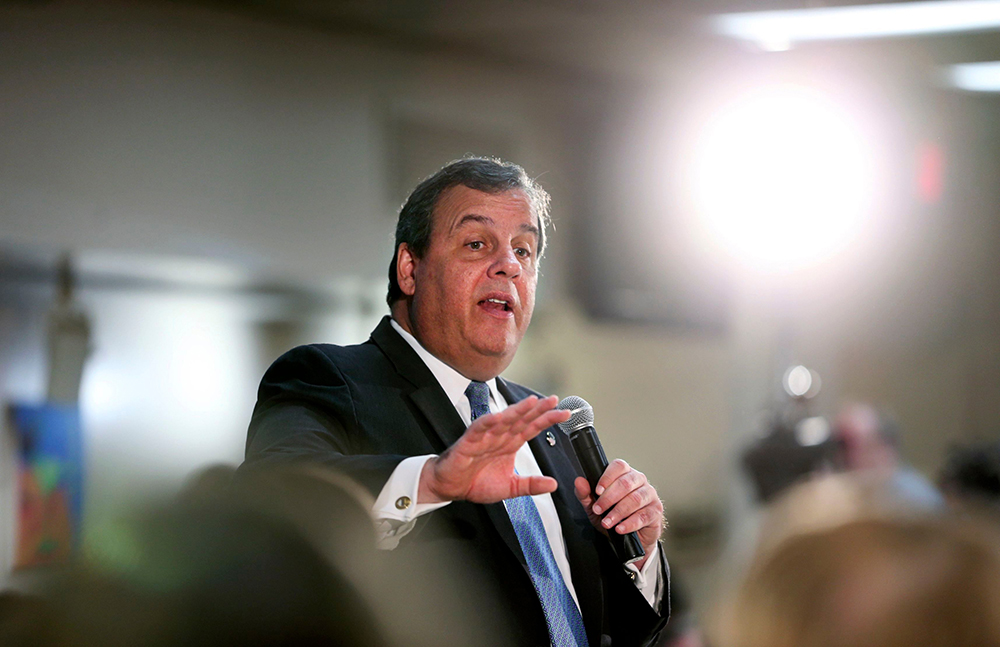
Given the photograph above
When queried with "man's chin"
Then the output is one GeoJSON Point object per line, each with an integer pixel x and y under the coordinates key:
{"type": "Point", "coordinates": [499, 347]}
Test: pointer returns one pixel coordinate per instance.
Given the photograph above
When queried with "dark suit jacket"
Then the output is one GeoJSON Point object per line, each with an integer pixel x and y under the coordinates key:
{"type": "Point", "coordinates": [362, 409]}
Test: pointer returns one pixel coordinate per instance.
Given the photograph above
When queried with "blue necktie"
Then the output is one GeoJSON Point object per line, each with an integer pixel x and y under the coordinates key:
{"type": "Point", "coordinates": [561, 613]}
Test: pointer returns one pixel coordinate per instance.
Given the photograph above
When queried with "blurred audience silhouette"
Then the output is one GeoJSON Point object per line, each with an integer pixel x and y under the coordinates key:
{"type": "Point", "coordinates": [862, 557]}
{"type": "Point", "coordinates": [209, 569]}
{"type": "Point", "coordinates": [280, 557]}
{"type": "Point", "coordinates": [853, 572]}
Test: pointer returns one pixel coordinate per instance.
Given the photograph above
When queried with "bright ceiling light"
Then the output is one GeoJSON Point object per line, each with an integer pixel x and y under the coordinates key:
{"type": "Point", "coordinates": [975, 77]}
{"type": "Point", "coordinates": [778, 30]}
{"type": "Point", "coordinates": [783, 178]}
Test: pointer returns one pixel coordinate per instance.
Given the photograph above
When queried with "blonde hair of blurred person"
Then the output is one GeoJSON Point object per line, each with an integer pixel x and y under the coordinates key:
{"type": "Point", "coordinates": [877, 582]}
{"type": "Point", "coordinates": [831, 500]}
{"type": "Point", "coordinates": [820, 503]}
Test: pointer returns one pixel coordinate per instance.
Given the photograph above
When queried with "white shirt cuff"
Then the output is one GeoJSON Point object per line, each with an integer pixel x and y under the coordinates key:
{"type": "Point", "coordinates": [396, 509]}
{"type": "Point", "coordinates": [646, 580]}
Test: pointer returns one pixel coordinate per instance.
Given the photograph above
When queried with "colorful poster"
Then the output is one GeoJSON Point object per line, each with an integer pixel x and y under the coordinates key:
{"type": "Point", "coordinates": [50, 479]}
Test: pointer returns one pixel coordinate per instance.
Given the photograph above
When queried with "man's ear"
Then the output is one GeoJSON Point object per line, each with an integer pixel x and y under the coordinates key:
{"type": "Point", "coordinates": [406, 266]}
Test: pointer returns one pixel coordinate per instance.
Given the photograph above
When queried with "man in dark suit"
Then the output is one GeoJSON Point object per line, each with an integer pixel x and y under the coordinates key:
{"type": "Point", "coordinates": [457, 457]}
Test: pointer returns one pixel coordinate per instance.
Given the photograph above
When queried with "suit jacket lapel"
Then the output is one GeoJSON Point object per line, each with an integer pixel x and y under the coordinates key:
{"type": "Point", "coordinates": [578, 533]}
{"type": "Point", "coordinates": [433, 403]}
{"type": "Point", "coordinates": [427, 394]}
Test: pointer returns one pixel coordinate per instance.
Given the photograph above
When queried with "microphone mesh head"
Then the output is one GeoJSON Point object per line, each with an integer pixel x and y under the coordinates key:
{"type": "Point", "coordinates": [583, 414]}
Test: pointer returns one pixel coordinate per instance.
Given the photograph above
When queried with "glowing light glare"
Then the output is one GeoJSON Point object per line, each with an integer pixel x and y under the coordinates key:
{"type": "Point", "coordinates": [777, 30]}
{"type": "Point", "coordinates": [798, 381]}
{"type": "Point", "coordinates": [975, 77]}
{"type": "Point", "coordinates": [99, 394]}
{"type": "Point", "coordinates": [812, 431]}
{"type": "Point", "coordinates": [783, 178]}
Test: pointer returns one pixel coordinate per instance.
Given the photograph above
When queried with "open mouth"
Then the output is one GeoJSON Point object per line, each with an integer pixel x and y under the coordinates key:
{"type": "Point", "coordinates": [496, 305]}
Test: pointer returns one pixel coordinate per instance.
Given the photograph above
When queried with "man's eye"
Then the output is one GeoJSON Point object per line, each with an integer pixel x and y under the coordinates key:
{"type": "Point", "coordinates": [475, 245]}
{"type": "Point", "coordinates": [523, 252]}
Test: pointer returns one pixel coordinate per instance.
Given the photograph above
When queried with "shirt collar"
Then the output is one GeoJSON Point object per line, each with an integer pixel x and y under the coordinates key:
{"type": "Point", "coordinates": [453, 382]}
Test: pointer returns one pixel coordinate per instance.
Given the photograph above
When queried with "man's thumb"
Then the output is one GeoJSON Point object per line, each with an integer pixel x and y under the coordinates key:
{"type": "Point", "coordinates": [533, 485]}
{"type": "Point", "coordinates": [582, 489]}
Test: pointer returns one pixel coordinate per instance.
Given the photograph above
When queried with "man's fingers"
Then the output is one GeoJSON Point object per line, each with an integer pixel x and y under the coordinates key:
{"type": "Point", "coordinates": [525, 419]}
{"type": "Point", "coordinates": [649, 515]}
{"type": "Point", "coordinates": [619, 489]}
{"type": "Point", "coordinates": [639, 511]}
{"type": "Point", "coordinates": [518, 410]}
{"type": "Point", "coordinates": [629, 505]}
{"type": "Point", "coordinates": [543, 421]}
{"type": "Point", "coordinates": [616, 469]}
{"type": "Point", "coordinates": [512, 416]}
{"type": "Point", "coordinates": [500, 421]}
{"type": "Point", "coordinates": [544, 407]}
{"type": "Point", "coordinates": [532, 485]}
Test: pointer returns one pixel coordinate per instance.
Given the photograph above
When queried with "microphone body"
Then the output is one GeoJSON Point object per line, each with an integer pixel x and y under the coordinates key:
{"type": "Point", "coordinates": [590, 453]}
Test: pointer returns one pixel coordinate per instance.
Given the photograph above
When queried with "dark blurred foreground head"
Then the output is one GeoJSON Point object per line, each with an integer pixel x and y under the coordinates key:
{"type": "Point", "coordinates": [280, 557]}
{"type": "Point", "coordinates": [971, 476]}
{"type": "Point", "coordinates": [213, 571]}
{"type": "Point", "coordinates": [881, 582]}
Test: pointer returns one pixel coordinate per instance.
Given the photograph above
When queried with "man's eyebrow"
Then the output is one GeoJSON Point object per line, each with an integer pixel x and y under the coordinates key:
{"type": "Point", "coordinates": [486, 220]}
{"type": "Point", "coordinates": [530, 229]}
{"type": "Point", "coordinates": [472, 217]}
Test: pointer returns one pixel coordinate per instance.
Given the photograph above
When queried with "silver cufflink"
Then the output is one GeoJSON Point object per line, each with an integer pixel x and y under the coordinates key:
{"type": "Point", "coordinates": [551, 438]}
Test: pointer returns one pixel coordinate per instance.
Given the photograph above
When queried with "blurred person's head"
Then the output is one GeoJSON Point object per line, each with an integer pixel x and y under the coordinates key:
{"type": "Point", "coordinates": [214, 571]}
{"type": "Point", "coordinates": [463, 275]}
{"type": "Point", "coordinates": [416, 596]}
{"type": "Point", "coordinates": [831, 500]}
{"type": "Point", "coordinates": [867, 438]}
{"type": "Point", "coordinates": [971, 475]}
{"type": "Point", "coordinates": [328, 508]}
{"type": "Point", "coordinates": [879, 582]}
{"type": "Point", "coordinates": [211, 483]}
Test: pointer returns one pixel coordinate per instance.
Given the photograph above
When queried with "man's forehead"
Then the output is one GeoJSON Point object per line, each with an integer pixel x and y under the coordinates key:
{"type": "Point", "coordinates": [461, 205]}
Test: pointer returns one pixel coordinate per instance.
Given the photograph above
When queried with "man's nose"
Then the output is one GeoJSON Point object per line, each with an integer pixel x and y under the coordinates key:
{"type": "Point", "coordinates": [506, 264]}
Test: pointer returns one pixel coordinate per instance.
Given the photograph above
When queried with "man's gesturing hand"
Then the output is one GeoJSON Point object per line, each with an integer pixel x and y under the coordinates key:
{"type": "Point", "coordinates": [633, 503]}
{"type": "Point", "coordinates": [479, 467]}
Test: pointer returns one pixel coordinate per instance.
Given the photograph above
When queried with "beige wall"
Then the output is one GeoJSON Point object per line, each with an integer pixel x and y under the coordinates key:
{"type": "Point", "coordinates": [940, 395]}
{"type": "Point", "coordinates": [660, 399]}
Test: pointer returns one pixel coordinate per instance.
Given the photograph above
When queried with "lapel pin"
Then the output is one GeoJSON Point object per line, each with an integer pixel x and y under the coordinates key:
{"type": "Point", "coordinates": [551, 438]}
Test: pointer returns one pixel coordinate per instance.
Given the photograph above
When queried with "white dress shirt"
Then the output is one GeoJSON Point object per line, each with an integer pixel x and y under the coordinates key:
{"type": "Point", "coordinates": [396, 509]}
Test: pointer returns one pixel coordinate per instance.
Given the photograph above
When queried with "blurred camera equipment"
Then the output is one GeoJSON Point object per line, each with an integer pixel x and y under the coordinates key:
{"type": "Point", "coordinates": [794, 443]}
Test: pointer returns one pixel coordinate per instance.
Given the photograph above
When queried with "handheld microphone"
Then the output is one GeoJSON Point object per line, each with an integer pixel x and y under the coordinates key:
{"type": "Point", "coordinates": [587, 447]}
